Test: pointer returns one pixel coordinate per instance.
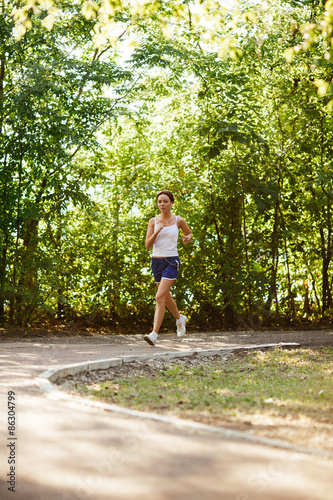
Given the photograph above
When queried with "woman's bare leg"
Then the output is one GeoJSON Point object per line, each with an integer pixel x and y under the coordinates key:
{"type": "Point", "coordinates": [164, 298]}
{"type": "Point", "coordinates": [172, 306]}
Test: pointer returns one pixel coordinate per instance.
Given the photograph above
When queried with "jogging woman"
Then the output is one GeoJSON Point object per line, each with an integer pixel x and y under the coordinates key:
{"type": "Point", "coordinates": [162, 235]}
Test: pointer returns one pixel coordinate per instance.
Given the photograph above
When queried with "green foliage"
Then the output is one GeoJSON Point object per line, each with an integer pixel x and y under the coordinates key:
{"type": "Point", "coordinates": [215, 113]}
{"type": "Point", "coordinates": [51, 103]}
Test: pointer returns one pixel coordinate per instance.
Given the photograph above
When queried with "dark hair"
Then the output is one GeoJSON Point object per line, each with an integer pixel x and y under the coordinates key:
{"type": "Point", "coordinates": [168, 193]}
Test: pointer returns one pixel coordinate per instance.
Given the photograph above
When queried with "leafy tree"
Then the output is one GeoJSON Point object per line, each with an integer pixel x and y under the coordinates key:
{"type": "Point", "coordinates": [52, 86]}
{"type": "Point", "coordinates": [228, 109]}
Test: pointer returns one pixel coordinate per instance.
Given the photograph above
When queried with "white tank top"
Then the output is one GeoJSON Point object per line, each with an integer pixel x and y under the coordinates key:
{"type": "Point", "coordinates": [166, 242]}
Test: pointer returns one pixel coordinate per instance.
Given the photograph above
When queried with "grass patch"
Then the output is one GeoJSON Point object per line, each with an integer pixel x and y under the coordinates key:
{"type": "Point", "coordinates": [291, 381]}
{"type": "Point", "coordinates": [261, 388]}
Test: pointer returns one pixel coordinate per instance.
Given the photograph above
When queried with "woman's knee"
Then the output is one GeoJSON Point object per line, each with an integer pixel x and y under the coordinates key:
{"type": "Point", "coordinates": [160, 298]}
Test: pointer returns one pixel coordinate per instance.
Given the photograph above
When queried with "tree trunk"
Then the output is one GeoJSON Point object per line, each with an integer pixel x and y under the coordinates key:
{"type": "Point", "coordinates": [248, 268]}
{"type": "Point", "coordinates": [326, 259]}
{"type": "Point", "coordinates": [229, 313]}
{"type": "Point", "coordinates": [291, 296]}
{"type": "Point", "coordinates": [2, 282]}
{"type": "Point", "coordinates": [4, 249]}
{"type": "Point", "coordinates": [26, 296]}
{"type": "Point", "coordinates": [272, 292]}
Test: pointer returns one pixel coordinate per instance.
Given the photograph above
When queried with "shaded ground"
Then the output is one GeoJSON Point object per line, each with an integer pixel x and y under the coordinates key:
{"type": "Point", "coordinates": [99, 345]}
{"type": "Point", "coordinates": [71, 451]}
{"type": "Point", "coordinates": [66, 334]}
{"type": "Point", "coordinates": [301, 429]}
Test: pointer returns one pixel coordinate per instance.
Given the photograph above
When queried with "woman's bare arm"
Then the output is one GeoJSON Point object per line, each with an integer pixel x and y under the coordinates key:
{"type": "Point", "coordinates": [187, 233]}
{"type": "Point", "coordinates": [151, 235]}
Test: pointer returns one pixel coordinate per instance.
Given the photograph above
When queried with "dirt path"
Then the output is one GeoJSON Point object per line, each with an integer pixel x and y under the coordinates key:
{"type": "Point", "coordinates": [68, 451]}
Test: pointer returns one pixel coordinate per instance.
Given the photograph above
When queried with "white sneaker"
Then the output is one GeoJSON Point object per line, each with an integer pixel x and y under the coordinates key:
{"type": "Point", "coordinates": [181, 325]}
{"type": "Point", "coordinates": [151, 338]}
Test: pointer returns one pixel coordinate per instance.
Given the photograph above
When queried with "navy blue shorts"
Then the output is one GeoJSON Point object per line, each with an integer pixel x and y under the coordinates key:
{"type": "Point", "coordinates": [166, 267]}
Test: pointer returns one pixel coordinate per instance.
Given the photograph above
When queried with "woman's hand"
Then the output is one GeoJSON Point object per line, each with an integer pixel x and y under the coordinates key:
{"type": "Point", "coordinates": [152, 233]}
{"type": "Point", "coordinates": [187, 238]}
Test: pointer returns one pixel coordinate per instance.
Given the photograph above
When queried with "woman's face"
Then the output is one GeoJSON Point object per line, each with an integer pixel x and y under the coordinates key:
{"type": "Point", "coordinates": [164, 203]}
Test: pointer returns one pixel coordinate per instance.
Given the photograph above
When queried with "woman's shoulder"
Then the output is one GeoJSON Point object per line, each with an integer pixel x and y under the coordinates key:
{"type": "Point", "coordinates": [180, 220]}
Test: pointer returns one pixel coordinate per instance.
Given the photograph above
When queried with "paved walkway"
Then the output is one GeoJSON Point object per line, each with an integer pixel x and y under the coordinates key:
{"type": "Point", "coordinates": [66, 450]}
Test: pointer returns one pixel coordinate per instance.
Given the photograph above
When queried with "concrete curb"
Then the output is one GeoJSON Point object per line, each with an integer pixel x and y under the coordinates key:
{"type": "Point", "coordinates": [46, 378]}
{"type": "Point", "coordinates": [54, 374]}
